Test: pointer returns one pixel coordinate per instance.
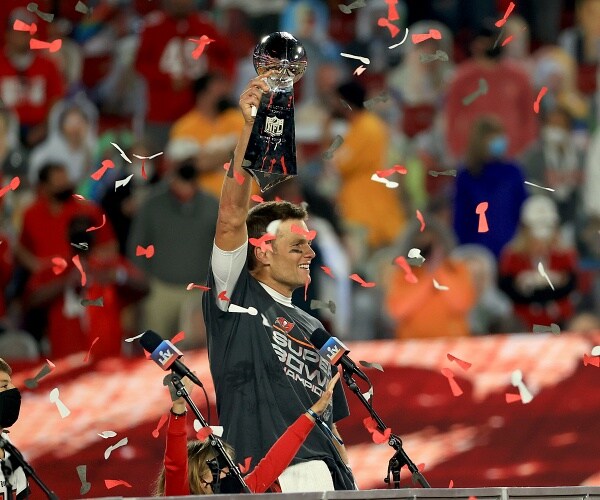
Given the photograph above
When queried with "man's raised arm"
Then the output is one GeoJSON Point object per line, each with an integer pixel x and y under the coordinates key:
{"type": "Point", "coordinates": [231, 230]}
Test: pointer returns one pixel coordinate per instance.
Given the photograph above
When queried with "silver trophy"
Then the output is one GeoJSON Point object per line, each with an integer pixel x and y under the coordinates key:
{"type": "Point", "coordinates": [271, 153]}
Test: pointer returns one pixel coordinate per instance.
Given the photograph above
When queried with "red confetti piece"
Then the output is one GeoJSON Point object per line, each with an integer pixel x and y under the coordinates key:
{"type": "Point", "coordinates": [385, 23]}
{"type": "Point", "coordinates": [144, 175]}
{"type": "Point", "coordinates": [203, 433]}
{"type": "Point", "coordinates": [408, 272]}
{"type": "Point", "coordinates": [379, 438]}
{"type": "Point", "coordinates": [58, 265]}
{"type": "Point", "coordinates": [483, 224]}
{"type": "Point", "coordinates": [370, 424]}
{"type": "Point", "coordinates": [89, 229]}
{"type": "Point", "coordinates": [327, 271]}
{"type": "Point", "coordinates": [507, 40]}
{"type": "Point", "coordinates": [262, 242]}
{"type": "Point", "coordinates": [112, 483]}
{"type": "Point", "coordinates": [78, 265]}
{"type": "Point", "coordinates": [418, 38]}
{"type": "Point", "coordinates": [51, 364]}
{"type": "Point", "coordinates": [202, 43]}
{"type": "Point", "coordinates": [449, 374]}
{"type": "Point", "coordinates": [502, 21]}
{"type": "Point", "coordinates": [245, 466]}
{"type": "Point", "coordinates": [54, 46]}
{"type": "Point", "coordinates": [22, 26]}
{"type": "Point", "coordinates": [161, 422]}
{"type": "Point", "coordinates": [106, 164]}
{"type": "Point", "coordinates": [512, 398]}
{"type": "Point", "coordinates": [87, 356]}
{"type": "Point", "coordinates": [191, 286]}
{"type": "Point", "coordinates": [257, 199]}
{"type": "Point", "coordinates": [223, 296]}
{"type": "Point", "coordinates": [360, 70]}
{"type": "Point", "coordinates": [178, 337]}
{"type": "Point", "coordinates": [147, 252]}
{"type": "Point", "coordinates": [309, 235]}
{"type": "Point", "coordinates": [362, 282]}
{"type": "Point", "coordinates": [536, 104]}
{"type": "Point", "coordinates": [421, 220]}
{"type": "Point", "coordinates": [395, 169]}
{"type": "Point", "coordinates": [14, 183]}
{"type": "Point", "coordinates": [451, 484]}
{"type": "Point", "coordinates": [239, 178]}
{"type": "Point", "coordinates": [472, 497]}
{"type": "Point", "coordinates": [465, 365]}
{"type": "Point", "coordinates": [79, 197]}
{"type": "Point", "coordinates": [392, 12]}
{"type": "Point", "coordinates": [591, 360]}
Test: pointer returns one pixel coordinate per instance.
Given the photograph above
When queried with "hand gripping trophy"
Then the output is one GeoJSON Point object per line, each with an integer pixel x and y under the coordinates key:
{"type": "Point", "coordinates": [271, 153]}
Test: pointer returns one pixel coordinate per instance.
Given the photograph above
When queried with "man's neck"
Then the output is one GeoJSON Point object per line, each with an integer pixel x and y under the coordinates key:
{"type": "Point", "coordinates": [282, 290]}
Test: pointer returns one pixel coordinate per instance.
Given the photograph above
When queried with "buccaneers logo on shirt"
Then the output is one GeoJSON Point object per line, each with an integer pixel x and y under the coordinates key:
{"type": "Point", "coordinates": [283, 325]}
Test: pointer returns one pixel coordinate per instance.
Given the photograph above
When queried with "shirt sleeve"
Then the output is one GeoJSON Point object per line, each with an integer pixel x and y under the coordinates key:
{"type": "Point", "coordinates": [226, 267]}
{"type": "Point", "coordinates": [279, 456]}
{"type": "Point", "coordinates": [176, 458]}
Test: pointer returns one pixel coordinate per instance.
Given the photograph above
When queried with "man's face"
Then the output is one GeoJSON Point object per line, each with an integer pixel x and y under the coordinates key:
{"type": "Point", "coordinates": [291, 257]}
{"type": "Point", "coordinates": [5, 382]}
{"type": "Point", "coordinates": [58, 181]}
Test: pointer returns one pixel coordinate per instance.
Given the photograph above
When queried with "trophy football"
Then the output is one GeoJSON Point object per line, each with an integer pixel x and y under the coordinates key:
{"type": "Point", "coordinates": [271, 153]}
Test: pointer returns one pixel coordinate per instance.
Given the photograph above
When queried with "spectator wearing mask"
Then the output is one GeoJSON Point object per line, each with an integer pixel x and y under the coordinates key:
{"type": "Point", "coordinates": [488, 176]}
{"type": "Point", "coordinates": [536, 301]}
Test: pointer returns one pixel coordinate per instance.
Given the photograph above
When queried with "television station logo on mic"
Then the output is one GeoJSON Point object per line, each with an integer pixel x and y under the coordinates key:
{"type": "Point", "coordinates": [166, 354]}
{"type": "Point", "coordinates": [333, 350]}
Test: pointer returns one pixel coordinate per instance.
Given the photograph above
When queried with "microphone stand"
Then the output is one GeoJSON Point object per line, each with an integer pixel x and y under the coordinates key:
{"type": "Point", "coordinates": [400, 458]}
{"type": "Point", "coordinates": [29, 472]}
{"type": "Point", "coordinates": [181, 391]}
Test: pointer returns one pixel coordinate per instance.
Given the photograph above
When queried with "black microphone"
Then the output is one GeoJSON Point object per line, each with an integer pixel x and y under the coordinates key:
{"type": "Point", "coordinates": [166, 355]}
{"type": "Point", "coordinates": [334, 351]}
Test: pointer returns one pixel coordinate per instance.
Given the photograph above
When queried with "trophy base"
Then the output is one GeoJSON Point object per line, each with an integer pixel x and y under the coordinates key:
{"type": "Point", "coordinates": [266, 180]}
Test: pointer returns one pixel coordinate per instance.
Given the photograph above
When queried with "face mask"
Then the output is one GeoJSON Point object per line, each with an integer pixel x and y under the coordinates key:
{"type": "Point", "coordinates": [10, 405]}
{"type": "Point", "coordinates": [64, 195]}
{"type": "Point", "coordinates": [187, 171]}
{"type": "Point", "coordinates": [493, 52]}
{"type": "Point", "coordinates": [555, 134]}
{"type": "Point", "coordinates": [498, 146]}
{"type": "Point", "coordinates": [228, 484]}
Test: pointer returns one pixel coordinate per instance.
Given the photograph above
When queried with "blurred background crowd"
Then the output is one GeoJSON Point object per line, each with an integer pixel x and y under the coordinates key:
{"type": "Point", "coordinates": [119, 141]}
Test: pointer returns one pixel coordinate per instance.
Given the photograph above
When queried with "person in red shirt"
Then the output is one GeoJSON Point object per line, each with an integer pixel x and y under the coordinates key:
{"type": "Point", "coordinates": [29, 82]}
{"type": "Point", "coordinates": [166, 62]}
{"type": "Point", "coordinates": [189, 472]}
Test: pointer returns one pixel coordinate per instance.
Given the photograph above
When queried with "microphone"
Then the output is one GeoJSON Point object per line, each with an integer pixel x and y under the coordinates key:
{"type": "Point", "coordinates": [166, 355]}
{"type": "Point", "coordinates": [335, 351]}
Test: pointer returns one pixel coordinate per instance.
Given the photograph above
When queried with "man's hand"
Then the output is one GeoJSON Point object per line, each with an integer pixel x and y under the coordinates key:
{"type": "Point", "coordinates": [252, 95]}
{"type": "Point", "coordinates": [325, 400]}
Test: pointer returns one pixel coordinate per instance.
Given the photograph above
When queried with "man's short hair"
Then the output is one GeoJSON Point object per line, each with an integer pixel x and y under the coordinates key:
{"type": "Point", "coordinates": [260, 216]}
{"type": "Point", "coordinates": [46, 171]}
{"type": "Point", "coordinates": [5, 367]}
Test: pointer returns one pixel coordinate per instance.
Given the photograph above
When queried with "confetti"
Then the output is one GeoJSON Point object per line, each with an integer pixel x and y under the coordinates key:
{"type": "Point", "coordinates": [507, 40]}
{"type": "Point", "coordinates": [89, 229]}
{"type": "Point", "coordinates": [79, 197]}
{"type": "Point", "coordinates": [87, 356]}
{"type": "Point", "coordinates": [107, 434]}
{"type": "Point", "coordinates": [418, 38]}
{"type": "Point", "coordinates": [22, 26]}
{"type": "Point", "coordinates": [85, 484]}
{"type": "Point", "coordinates": [439, 55]}
{"type": "Point", "coordinates": [99, 302]}
{"type": "Point", "coordinates": [363, 283]}
{"type": "Point", "coordinates": [245, 467]}
{"type": "Point", "coordinates": [449, 374]}
{"type": "Point", "coordinates": [131, 339]}
{"type": "Point", "coordinates": [121, 152]}
{"type": "Point", "coordinates": [435, 173]}
{"type": "Point", "coordinates": [163, 419]}
{"type": "Point", "coordinates": [319, 304]}
{"type": "Point", "coordinates": [482, 90]}
{"type": "Point", "coordinates": [123, 182]}
{"type": "Point", "coordinates": [58, 265]}
{"type": "Point", "coordinates": [306, 283]}
{"type": "Point", "coordinates": [106, 164]}
{"type": "Point", "coordinates": [368, 364]}
{"type": "Point", "coordinates": [536, 104]}
{"type": "Point", "coordinates": [480, 210]}
{"type": "Point", "coordinates": [383, 180]}
{"type": "Point", "coordinates": [347, 9]}
{"type": "Point", "coordinates": [202, 43]}
{"type": "Point", "coordinates": [191, 286]}
{"type": "Point", "coordinates": [77, 262]}
{"type": "Point", "coordinates": [327, 271]}
{"type": "Point", "coordinates": [151, 157]}
{"type": "Point", "coordinates": [385, 23]}
{"type": "Point", "coordinates": [262, 242]}
{"type": "Point", "coordinates": [62, 408]}
{"type": "Point", "coordinates": [338, 140]}
{"type": "Point", "coordinates": [360, 70]}
{"type": "Point", "coordinates": [239, 309]}
{"type": "Point", "coordinates": [517, 381]}
{"type": "Point", "coordinates": [147, 252]}
{"type": "Point", "coordinates": [80, 246]}
{"type": "Point", "coordinates": [409, 276]}
{"type": "Point", "coordinates": [415, 258]}
{"type": "Point", "coordinates": [543, 273]}
{"type": "Point", "coordinates": [537, 186]}
{"type": "Point", "coordinates": [178, 337]}
{"type": "Point", "coordinates": [502, 21]}
{"type": "Point", "coordinates": [590, 360]}
{"type": "Point", "coordinates": [400, 43]}
{"type": "Point", "coordinates": [465, 365]}
{"type": "Point", "coordinates": [223, 296]}
{"type": "Point", "coordinates": [451, 484]}
{"type": "Point", "coordinates": [392, 11]}
{"type": "Point", "coordinates": [33, 7]}
{"type": "Point", "coordinates": [596, 351]}
{"type": "Point", "coordinates": [437, 286]}
{"type": "Point", "coordinates": [203, 433]}
{"type": "Point", "coordinates": [553, 328]}
{"type": "Point", "coordinates": [421, 220]}
{"type": "Point", "coordinates": [113, 447]}
{"type": "Point", "coordinates": [512, 398]}
{"type": "Point", "coordinates": [54, 46]}
{"type": "Point", "coordinates": [380, 438]}
{"type": "Point", "coordinates": [32, 383]}
{"type": "Point", "coordinates": [309, 235]}
{"type": "Point", "coordinates": [112, 483]}
{"type": "Point", "coordinates": [371, 103]}
{"type": "Point", "coordinates": [257, 199]}
{"type": "Point", "coordinates": [81, 7]}
{"type": "Point", "coordinates": [14, 183]}
{"type": "Point", "coordinates": [364, 60]}
{"type": "Point", "coordinates": [390, 171]}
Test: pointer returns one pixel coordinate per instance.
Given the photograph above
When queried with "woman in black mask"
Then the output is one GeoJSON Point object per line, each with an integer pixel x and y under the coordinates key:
{"type": "Point", "coordinates": [13, 483]}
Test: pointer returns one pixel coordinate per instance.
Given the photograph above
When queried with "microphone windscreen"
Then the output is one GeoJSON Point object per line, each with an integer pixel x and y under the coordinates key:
{"type": "Point", "coordinates": [319, 337]}
{"type": "Point", "coordinates": [150, 340]}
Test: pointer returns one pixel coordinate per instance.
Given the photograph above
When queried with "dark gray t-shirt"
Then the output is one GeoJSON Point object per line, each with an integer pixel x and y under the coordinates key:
{"type": "Point", "coordinates": [266, 374]}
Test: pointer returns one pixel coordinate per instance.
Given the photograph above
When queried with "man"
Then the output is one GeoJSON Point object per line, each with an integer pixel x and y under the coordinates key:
{"type": "Point", "coordinates": [13, 482]}
{"type": "Point", "coordinates": [263, 365]}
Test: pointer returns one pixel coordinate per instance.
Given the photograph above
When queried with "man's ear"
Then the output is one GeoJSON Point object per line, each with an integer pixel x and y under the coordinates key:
{"type": "Point", "coordinates": [261, 256]}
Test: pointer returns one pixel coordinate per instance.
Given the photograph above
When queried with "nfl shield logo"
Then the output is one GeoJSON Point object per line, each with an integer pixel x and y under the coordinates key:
{"type": "Point", "coordinates": [274, 126]}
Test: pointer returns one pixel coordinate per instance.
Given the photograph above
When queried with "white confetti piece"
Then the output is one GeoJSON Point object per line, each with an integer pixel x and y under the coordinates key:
{"type": "Point", "coordinates": [131, 339]}
{"type": "Point", "coordinates": [239, 309]}
{"type": "Point", "coordinates": [543, 273]}
{"type": "Point", "coordinates": [148, 157]}
{"type": "Point", "coordinates": [400, 43]}
{"type": "Point", "coordinates": [62, 408]}
{"type": "Point", "coordinates": [383, 180]}
{"type": "Point", "coordinates": [123, 155]}
{"type": "Point", "coordinates": [113, 447]}
{"type": "Point", "coordinates": [596, 351]}
{"type": "Point", "coordinates": [273, 226]}
{"type": "Point", "coordinates": [537, 186]}
{"type": "Point", "coordinates": [107, 434]}
{"type": "Point", "coordinates": [265, 321]}
{"type": "Point", "coordinates": [440, 287]}
{"type": "Point", "coordinates": [517, 381]}
{"type": "Point", "coordinates": [360, 70]}
{"type": "Point", "coordinates": [123, 182]}
{"type": "Point", "coordinates": [364, 60]}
